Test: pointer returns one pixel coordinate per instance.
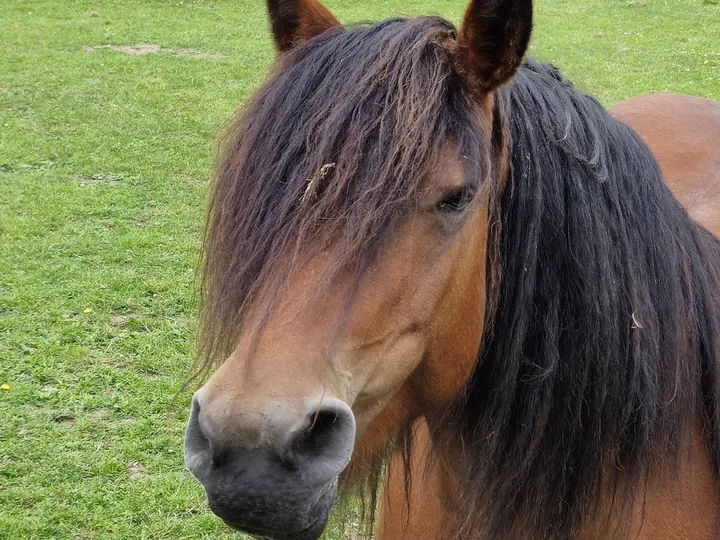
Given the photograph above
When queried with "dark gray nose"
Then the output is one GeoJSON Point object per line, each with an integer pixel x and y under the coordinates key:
{"type": "Point", "coordinates": [270, 471]}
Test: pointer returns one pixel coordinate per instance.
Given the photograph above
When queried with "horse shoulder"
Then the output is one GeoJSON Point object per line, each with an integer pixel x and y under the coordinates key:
{"type": "Point", "coordinates": [683, 132]}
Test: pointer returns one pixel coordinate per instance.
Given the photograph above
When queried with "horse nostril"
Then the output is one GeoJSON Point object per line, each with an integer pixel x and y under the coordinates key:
{"type": "Point", "coordinates": [313, 441]}
{"type": "Point", "coordinates": [197, 445]}
{"type": "Point", "coordinates": [221, 458]}
{"type": "Point", "coordinates": [325, 442]}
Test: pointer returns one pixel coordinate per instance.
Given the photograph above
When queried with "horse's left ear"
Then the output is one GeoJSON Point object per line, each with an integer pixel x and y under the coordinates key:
{"type": "Point", "coordinates": [294, 21]}
{"type": "Point", "coordinates": [493, 38]}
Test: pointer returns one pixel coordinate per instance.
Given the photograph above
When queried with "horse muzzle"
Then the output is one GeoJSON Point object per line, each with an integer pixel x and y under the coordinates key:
{"type": "Point", "coordinates": [271, 473]}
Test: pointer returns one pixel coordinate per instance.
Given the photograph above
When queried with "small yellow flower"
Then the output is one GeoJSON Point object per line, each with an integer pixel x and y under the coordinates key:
{"type": "Point", "coordinates": [87, 310]}
{"type": "Point", "coordinates": [5, 386]}
{"type": "Point", "coordinates": [6, 124]}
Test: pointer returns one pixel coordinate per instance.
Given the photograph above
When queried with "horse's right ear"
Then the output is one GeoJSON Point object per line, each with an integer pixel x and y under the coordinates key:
{"type": "Point", "coordinates": [493, 38]}
{"type": "Point", "coordinates": [294, 21]}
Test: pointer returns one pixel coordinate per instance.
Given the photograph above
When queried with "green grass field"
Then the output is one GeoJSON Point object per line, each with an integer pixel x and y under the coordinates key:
{"type": "Point", "coordinates": [104, 160]}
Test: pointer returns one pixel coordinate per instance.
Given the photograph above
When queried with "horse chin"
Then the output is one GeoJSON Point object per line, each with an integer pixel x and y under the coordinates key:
{"type": "Point", "coordinates": [311, 533]}
{"type": "Point", "coordinates": [298, 522]}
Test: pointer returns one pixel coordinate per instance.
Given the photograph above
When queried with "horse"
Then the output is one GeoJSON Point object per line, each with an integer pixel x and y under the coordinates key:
{"type": "Point", "coordinates": [413, 225]}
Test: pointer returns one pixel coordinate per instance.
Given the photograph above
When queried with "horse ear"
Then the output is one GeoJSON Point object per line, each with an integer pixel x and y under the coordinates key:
{"type": "Point", "coordinates": [294, 21]}
{"type": "Point", "coordinates": [493, 38]}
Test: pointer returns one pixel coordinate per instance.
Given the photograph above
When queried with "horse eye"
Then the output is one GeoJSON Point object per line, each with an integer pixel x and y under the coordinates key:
{"type": "Point", "coordinates": [455, 201]}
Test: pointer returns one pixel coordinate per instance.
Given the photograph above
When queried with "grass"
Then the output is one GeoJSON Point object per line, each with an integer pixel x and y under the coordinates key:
{"type": "Point", "coordinates": [104, 161]}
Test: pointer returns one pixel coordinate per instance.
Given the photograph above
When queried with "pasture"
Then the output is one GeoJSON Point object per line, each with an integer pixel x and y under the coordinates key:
{"type": "Point", "coordinates": [107, 117]}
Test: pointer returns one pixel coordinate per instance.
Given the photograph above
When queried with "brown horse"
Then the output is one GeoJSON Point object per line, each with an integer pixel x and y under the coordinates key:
{"type": "Point", "coordinates": [410, 224]}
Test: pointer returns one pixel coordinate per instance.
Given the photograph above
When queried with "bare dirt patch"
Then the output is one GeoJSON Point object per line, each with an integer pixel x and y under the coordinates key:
{"type": "Point", "coordinates": [141, 49]}
{"type": "Point", "coordinates": [119, 319]}
{"type": "Point", "coordinates": [99, 178]}
{"type": "Point", "coordinates": [135, 470]}
{"type": "Point", "coordinates": [64, 419]}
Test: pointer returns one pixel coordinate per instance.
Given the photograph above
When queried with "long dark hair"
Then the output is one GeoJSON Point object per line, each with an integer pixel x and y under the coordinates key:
{"type": "Point", "coordinates": [371, 108]}
{"type": "Point", "coordinates": [600, 353]}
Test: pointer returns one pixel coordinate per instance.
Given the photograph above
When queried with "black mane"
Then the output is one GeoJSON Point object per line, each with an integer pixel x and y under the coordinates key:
{"type": "Point", "coordinates": [600, 355]}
